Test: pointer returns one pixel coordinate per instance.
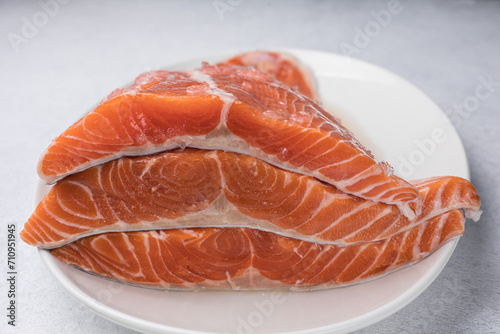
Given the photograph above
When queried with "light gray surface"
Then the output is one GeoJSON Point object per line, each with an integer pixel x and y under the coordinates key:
{"type": "Point", "coordinates": [87, 49]}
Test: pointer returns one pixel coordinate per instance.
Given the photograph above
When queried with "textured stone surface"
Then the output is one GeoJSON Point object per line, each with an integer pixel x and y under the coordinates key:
{"type": "Point", "coordinates": [88, 48]}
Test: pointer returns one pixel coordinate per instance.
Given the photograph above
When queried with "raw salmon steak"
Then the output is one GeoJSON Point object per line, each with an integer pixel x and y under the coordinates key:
{"type": "Point", "coordinates": [228, 108]}
{"type": "Point", "coordinates": [239, 258]}
{"type": "Point", "coordinates": [233, 176]}
{"type": "Point", "coordinates": [200, 188]}
{"type": "Point", "coordinates": [281, 66]}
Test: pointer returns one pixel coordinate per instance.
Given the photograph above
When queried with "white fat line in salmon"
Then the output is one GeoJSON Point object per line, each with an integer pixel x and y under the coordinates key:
{"type": "Point", "coordinates": [222, 213]}
{"type": "Point", "coordinates": [226, 97]}
{"type": "Point", "coordinates": [253, 277]}
{"type": "Point", "coordinates": [236, 145]}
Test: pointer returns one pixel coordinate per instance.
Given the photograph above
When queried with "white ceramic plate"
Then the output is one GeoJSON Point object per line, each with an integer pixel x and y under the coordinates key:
{"type": "Point", "coordinates": [392, 118]}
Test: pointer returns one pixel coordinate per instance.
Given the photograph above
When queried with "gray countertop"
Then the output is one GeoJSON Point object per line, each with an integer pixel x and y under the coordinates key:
{"type": "Point", "coordinates": [82, 50]}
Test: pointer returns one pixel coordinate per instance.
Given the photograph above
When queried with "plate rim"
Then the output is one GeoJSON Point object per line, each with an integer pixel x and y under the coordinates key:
{"type": "Point", "coordinates": [347, 326]}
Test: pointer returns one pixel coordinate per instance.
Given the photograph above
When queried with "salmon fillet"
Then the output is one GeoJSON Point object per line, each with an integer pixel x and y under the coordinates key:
{"type": "Point", "coordinates": [228, 108]}
{"type": "Point", "coordinates": [281, 66]}
{"type": "Point", "coordinates": [240, 258]}
{"type": "Point", "coordinates": [199, 188]}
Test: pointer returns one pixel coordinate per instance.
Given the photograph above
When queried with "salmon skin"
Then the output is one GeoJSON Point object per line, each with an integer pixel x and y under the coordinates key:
{"type": "Point", "coordinates": [281, 66]}
{"type": "Point", "coordinates": [248, 259]}
{"type": "Point", "coordinates": [199, 188]}
{"type": "Point", "coordinates": [228, 108]}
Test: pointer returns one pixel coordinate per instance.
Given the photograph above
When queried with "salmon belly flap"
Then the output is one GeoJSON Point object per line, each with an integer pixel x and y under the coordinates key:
{"type": "Point", "coordinates": [201, 188]}
{"type": "Point", "coordinates": [233, 176]}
